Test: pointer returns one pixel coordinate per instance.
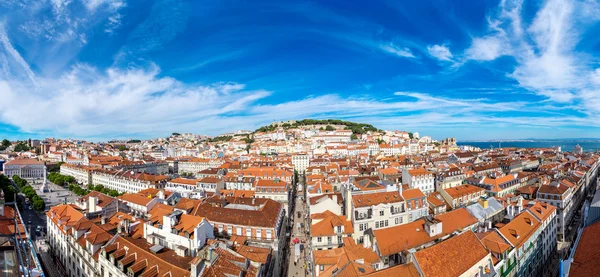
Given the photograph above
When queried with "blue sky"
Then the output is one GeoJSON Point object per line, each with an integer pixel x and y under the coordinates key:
{"type": "Point", "coordinates": [101, 69]}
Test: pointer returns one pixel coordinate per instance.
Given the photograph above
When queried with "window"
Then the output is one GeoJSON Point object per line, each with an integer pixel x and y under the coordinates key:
{"type": "Point", "coordinates": [248, 232]}
{"type": "Point", "coordinates": [238, 231]}
{"type": "Point", "coordinates": [269, 234]}
{"type": "Point", "coordinates": [258, 233]}
{"type": "Point", "coordinates": [328, 240]}
{"type": "Point", "coordinates": [229, 230]}
{"type": "Point", "coordinates": [319, 239]}
{"type": "Point", "coordinates": [381, 213]}
{"type": "Point", "coordinates": [376, 224]}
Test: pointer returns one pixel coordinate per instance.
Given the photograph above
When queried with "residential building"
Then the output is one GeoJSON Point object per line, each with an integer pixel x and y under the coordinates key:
{"type": "Point", "coordinates": [462, 195]}
{"type": "Point", "coordinates": [559, 195]}
{"type": "Point", "coordinates": [128, 181]}
{"type": "Point", "coordinates": [328, 230]}
{"type": "Point", "coordinates": [75, 241]}
{"type": "Point", "coordinates": [184, 233]}
{"type": "Point", "coordinates": [300, 161]}
{"type": "Point", "coordinates": [82, 174]}
{"type": "Point", "coordinates": [419, 178]}
{"type": "Point", "coordinates": [394, 244]}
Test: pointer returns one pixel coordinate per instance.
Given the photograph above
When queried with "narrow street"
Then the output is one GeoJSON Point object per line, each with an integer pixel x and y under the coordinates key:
{"type": "Point", "coordinates": [298, 264]}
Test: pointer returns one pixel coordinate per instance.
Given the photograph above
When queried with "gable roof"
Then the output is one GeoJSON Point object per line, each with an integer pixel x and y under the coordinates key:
{"type": "Point", "coordinates": [452, 257]}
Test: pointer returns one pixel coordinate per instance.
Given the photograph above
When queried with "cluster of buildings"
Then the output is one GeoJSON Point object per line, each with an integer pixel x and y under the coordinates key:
{"type": "Point", "coordinates": [387, 203]}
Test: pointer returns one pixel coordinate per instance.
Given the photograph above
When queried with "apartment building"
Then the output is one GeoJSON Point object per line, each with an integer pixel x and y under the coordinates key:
{"type": "Point", "coordinates": [419, 178]}
{"type": "Point", "coordinates": [125, 257]}
{"type": "Point", "coordinates": [196, 165]}
{"type": "Point", "coordinates": [128, 181]}
{"type": "Point", "coordinates": [211, 184]}
{"type": "Point", "coordinates": [559, 195]}
{"type": "Point", "coordinates": [449, 179]}
{"type": "Point", "coordinates": [239, 183]}
{"type": "Point", "coordinates": [185, 187]}
{"type": "Point", "coordinates": [462, 195]}
{"type": "Point", "coordinates": [75, 240]}
{"type": "Point", "coordinates": [300, 161]}
{"type": "Point", "coordinates": [497, 186]}
{"type": "Point", "coordinates": [273, 189]}
{"type": "Point", "coordinates": [394, 244]}
{"type": "Point", "coordinates": [82, 174]}
{"type": "Point", "coordinates": [140, 205]}
{"type": "Point", "coordinates": [377, 210]}
{"type": "Point", "coordinates": [183, 233]}
{"type": "Point", "coordinates": [328, 230]}
{"type": "Point", "coordinates": [259, 219]}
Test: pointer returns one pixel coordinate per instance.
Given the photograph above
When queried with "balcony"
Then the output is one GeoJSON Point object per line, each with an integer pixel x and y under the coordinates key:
{"type": "Point", "coordinates": [397, 210]}
{"type": "Point", "coordinates": [362, 216]}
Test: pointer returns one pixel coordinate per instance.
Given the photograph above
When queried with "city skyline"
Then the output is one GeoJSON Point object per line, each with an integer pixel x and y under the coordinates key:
{"type": "Point", "coordinates": [471, 70]}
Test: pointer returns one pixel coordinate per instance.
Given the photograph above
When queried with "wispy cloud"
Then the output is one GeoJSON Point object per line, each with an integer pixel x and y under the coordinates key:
{"type": "Point", "coordinates": [394, 49]}
{"type": "Point", "coordinates": [440, 52]}
{"type": "Point", "coordinates": [14, 55]}
{"type": "Point", "coordinates": [547, 61]}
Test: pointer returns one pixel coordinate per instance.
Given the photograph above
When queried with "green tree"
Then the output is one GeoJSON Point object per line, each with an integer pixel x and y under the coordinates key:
{"type": "Point", "coordinates": [39, 205]}
{"type": "Point", "coordinates": [410, 135]}
{"type": "Point", "coordinates": [329, 128]}
{"type": "Point", "coordinates": [121, 147]}
{"type": "Point", "coordinates": [21, 147]}
{"type": "Point", "coordinates": [353, 137]}
{"type": "Point", "coordinates": [5, 143]}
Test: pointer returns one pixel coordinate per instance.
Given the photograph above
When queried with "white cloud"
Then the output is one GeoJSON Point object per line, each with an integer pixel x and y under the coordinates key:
{"type": "Point", "coordinates": [440, 52]}
{"type": "Point", "coordinates": [396, 50]}
{"type": "Point", "coordinates": [547, 62]}
{"type": "Point", "coordinates": [486, 48]}
{"type": "Point", "coordinates": [21, 64]}
{"type": "Point", "coordinates": [139, 102]}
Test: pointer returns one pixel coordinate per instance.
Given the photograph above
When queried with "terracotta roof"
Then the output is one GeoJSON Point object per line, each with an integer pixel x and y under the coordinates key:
{"type": "Point", "coordinates": [24, 162]}
{"type": "Point", "coordinates": [463, 190]}
{"type": "Point", "coordinates": [419, 172]}
{"type": "Point", "coordinates": [452, 257]}
{"type": "Point", "coordinates": [327, 226]}
{"type": "Point", "coordinates": [403, 270]}
{"type": "Point", "coordinates": [369, 199]}
{"type": "Point", "coordinates": [494, 242]}
{"type": "Point", "coordinates": [520, 229]}
{"type": "Point", "coordinates": [267, 214]}
{"type": "Point", "coordinates": [185, 181]}
{"type": "Point", "coordinates": [135, 199]}
{"type": "Point", "coordinates": [403, 237]}
{"type": "Point", "coordinates": [412, 193]}
{"type": "Point", "coordinates": [210, 180]}
{"type": "Point", "coordinates": [585, 260]}
{"type": "Point", "coordinates": [146, 262]}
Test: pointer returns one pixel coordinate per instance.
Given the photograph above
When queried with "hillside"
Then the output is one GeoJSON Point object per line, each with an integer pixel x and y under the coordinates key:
{"type": "Point", "coordinates": [356, 128]}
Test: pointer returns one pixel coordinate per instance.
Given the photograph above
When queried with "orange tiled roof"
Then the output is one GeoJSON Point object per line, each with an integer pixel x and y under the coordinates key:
{"type": "Point", "coordinates": [365, 200]}
{"type": "Point", "coordinates": [452, 257]}
{"type": "Point", "coordinates": [403, 237]}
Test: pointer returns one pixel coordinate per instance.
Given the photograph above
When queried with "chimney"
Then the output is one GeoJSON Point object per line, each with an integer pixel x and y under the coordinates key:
{"type": "Point", "coordinates": [92, 201]}
{"type": "Point", "coordinates": [483, 202]}
{"type": "Point", "coordinates": [348, 202]}
{"type": "Point", "coordinates": [1, 203]}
